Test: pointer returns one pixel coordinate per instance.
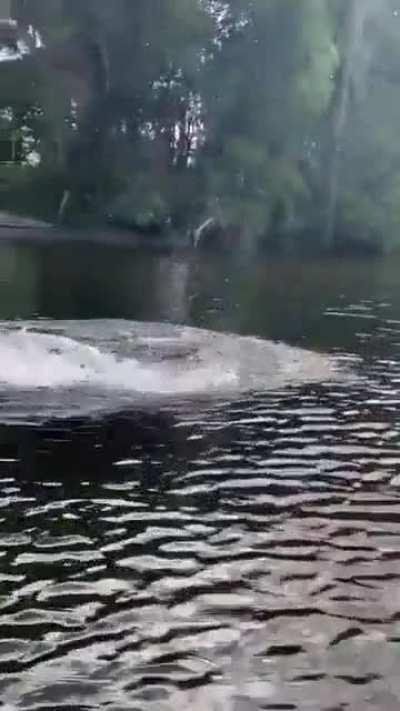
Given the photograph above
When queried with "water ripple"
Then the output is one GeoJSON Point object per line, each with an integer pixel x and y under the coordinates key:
{"type": "Point", "coordinates": [245, 557]}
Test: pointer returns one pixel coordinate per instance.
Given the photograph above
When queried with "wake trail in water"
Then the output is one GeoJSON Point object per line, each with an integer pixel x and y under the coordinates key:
{"type": "Point", "coordinates": [32, 360]}
{"type": "Point", "coordinates": [77, 365]}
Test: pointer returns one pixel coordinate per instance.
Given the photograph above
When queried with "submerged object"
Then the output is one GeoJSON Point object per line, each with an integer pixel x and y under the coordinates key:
{"type": "Point", "coordinates": [62, 368]}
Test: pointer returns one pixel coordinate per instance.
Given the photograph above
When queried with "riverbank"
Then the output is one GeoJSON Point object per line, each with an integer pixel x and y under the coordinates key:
{"type": "Point", "coordinates": [14, 228]}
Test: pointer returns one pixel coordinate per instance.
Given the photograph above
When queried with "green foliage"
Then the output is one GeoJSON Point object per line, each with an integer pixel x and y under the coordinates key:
{"type": "Point", "coordinates": [320, 60]}
{"type": "Point", "coordinates": [261, 114]}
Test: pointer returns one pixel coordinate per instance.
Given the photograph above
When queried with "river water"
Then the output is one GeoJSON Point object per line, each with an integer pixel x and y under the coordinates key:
{"type": "Point", "coordinates": [231, 553]}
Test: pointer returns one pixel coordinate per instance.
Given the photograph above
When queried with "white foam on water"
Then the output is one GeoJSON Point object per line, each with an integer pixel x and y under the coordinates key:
{"type": "Point", "coordinates": [68, 368]}
{"type": "Point", "coordinates": [37, 360]}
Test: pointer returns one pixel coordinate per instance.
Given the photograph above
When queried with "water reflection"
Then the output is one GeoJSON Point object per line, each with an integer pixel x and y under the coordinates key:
{"type": "Point", "coordinates": [272, 298]}
{"type": "Point", "coordinates": [19, 282]}
{"type": "Point", "coordinates": [172, 285]}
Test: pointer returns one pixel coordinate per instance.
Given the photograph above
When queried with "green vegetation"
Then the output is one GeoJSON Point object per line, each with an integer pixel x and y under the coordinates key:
{"type": "Point", "coordinates": [273, 122]}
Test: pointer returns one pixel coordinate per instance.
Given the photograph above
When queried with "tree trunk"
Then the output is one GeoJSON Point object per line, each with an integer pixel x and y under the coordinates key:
{"type": "Point", "coordinates": [356, 16]}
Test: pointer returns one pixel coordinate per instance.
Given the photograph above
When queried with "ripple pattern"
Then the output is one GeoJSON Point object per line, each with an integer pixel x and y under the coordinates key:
{"type": "Point", "coordinates": [239, 558]}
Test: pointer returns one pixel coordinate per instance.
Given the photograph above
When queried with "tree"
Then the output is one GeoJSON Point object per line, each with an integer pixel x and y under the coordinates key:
{"type": "Point", "coordinates": [275, 120]}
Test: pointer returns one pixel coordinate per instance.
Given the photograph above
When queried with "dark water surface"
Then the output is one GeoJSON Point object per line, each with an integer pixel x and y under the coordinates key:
{"type": "Point", "coordinates": [239, 556]}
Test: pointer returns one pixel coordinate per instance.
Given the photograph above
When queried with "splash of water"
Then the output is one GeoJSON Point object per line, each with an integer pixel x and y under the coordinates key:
{"type": "Point", "coordinates": [39, 360]}
{"type": "Point", "coordinates": [64, 368]}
